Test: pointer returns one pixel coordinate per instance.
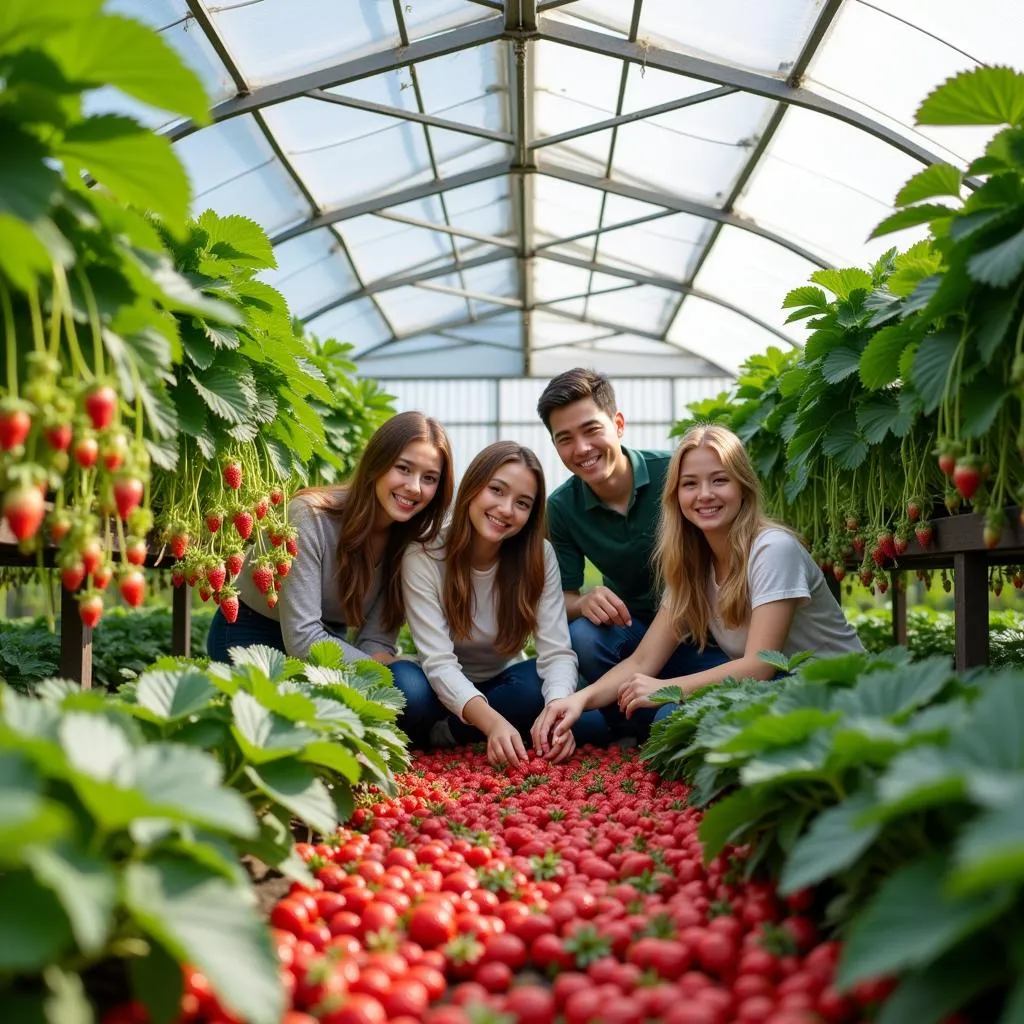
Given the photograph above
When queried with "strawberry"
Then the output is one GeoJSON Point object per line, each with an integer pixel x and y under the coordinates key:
{"type": "Point", "coordinates": [883, 584]}
{"type": "Point", "coordinates": [276, 496]}
{"type": "Point", "coordinates": [128, 491]}
{"type": "Point", "coordinates": [852, 523]}
{"type": "Point", "coordinates": [135, 551]}
{"type": "Point", "coordinates": [15, 423]}
{"type": "Point", "coordinates": [947, 457]}
{"type": "Point", "coordinates": [133, 587]}
{"type": "Point", "coordinates": [243, 524]}
{"type": "Point", "coordinates": [275, 537]}
{"type": "Point", "coordinates": [262, 576]}
{"type": "Point", "coordinates": [967, 476]}
{"type": "Point", "coordinates": [272, 599]}
{"type": "Point", "coordinates": [90, 609]}
{"type": "Point", "coordinates": [60, 524]}
{"type": "Point", "coordinates": [858, 544]}
{"type": "Point", "coordinates": [866, 575]}
{"type": "Point", "coordinates": [229, 605]}
{"type": "Point", "coordinates": [86, 451]}
{"type": "Point", "coordinates": [953, 500]}
{"type": "Point", "coordinates": [177, 577]}
{"type": "Point", "coordinates": [233, 475]}
{"type": "Point", "coordinates": [261, 508]}
{"type": "Point", "coordinates": [192, 576]}
{"type": "Point", "coordinates": [23, 508]}
{"type": "Point", "coordinates": [233, 562]}
{"type": "Point", "coordinates": [179, 543]}
{"type": "Point", "coordinates": [1018, 580]}
{"type": "Point", "coordinates": [839, 571]}
{"type": "Point", "coordinates": [914, 509]}
{"type": "Point", "coordinates": [58, 436]}
{"type": "Point", "coordinates": [73, 575]}
{"type": "Point", "coordinates": [101, 577]}
{"type": "Point", "coordinates": [101, 405]}
{"type": "Point", "coordinates": [924, 533]}
{"type": "Point", "coordinates": [291, 546]}
{"type": "Point", "coordinates": [885, 542]}
{"type": "Point", "coordinates": [91, 554]}
{"type": "Point", "coordinates": [901, 542]}
{"type": "Point", "coordinates": [216, 575]}
{"type": "Point", "coordinates": [114, 451]}
{"type": "Point", "coordinates": [993, 530]}
{"type": "Point", "coordinates": [283, 567]}
{"type": "Point", "coordinates": [204, 592]}
{"type": "Point", "coordinates": [214, 520]}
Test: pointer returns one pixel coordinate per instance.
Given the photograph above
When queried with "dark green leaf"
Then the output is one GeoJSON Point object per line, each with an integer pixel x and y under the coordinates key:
{"type": "Point", "coordinates": [984, 95]}
{"type": "Point", "coordinates": [730, 818]}
{"type": "Point", "coordinates": [203, 920]}
{"type": "Point", "coordinates": [878, 416]}
{"type": "Point", "coordinates": [990, 852]}
{"type": "Point", "coordinates": [28, 186]}
{"type": "Point", "coordinates": [157, 981]}
{"type": "Point", "coordinates": [1001, 265]}
{"type": "Point", "coordinates": [86, 887]}
{"type": "Point", "coordinates": [263, 735]}
{"type": "Point", "coordinates": [980, 404]}
{"type": "Point", "coordinates": [880, 360]}
{"type": "Point", "coordinates": [936, 180]}
{"type": "Point", "coordinates": [843, 442]}
{"type": "Point", "coordinates": [296, 787]}
{"type": "Point", "coordinates": [222, 392]}
{"type": "Point", "coordinates": [33, 928]}
{"type": "Point", "coordinates": [893, 692]}
{"type": "Point", "coordinates": [840, 363]}
{"type": "Point", "coordinates": [933, 368]}
{"type": "Point", "coordinates": [911, 922]}
{"type": "Point", "coordinates": [993, 319]}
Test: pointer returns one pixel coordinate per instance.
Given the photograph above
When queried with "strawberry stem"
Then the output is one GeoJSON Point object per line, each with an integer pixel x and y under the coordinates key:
{"type": "Point", "coordinates": [12, 348]}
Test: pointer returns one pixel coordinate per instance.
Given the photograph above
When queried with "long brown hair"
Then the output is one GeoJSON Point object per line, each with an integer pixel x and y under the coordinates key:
{"type": "Point", "coordinates": [355, 504]}
{"type": "Point", "coordinates": [520, 578]}
{"type": "Point", "coordinates": [683, 557]}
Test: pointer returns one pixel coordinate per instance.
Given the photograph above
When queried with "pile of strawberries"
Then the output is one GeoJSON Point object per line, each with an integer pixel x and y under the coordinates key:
{"type": "Point", "coordinates": [576, 893]}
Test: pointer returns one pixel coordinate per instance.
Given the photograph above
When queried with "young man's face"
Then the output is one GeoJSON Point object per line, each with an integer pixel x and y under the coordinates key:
{"type": "Point", "coordinates": [588, 441]}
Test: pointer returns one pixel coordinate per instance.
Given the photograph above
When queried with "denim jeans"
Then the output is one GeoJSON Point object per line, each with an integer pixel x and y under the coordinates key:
{"type": "Point", "coordinates": [249, 629]}
{"type": "Point", "coordinates": [600, 648]}
{"type": "Point", "coordinates": [515, 693]}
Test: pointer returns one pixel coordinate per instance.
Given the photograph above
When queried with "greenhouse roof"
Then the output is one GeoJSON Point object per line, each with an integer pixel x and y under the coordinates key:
{"type": "Point", "coordinates": [471, 187]}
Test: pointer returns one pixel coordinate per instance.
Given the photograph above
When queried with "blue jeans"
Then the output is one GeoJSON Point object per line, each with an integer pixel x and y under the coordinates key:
{"type": "Point", "coordinates": [515, 693]}
{"type": "Point", "coordinates": [600, 648]}
{"type": "Point", "coordinates": [249, 629]}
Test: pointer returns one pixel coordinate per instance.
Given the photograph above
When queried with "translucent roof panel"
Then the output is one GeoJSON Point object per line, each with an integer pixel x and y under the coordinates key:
{"type": "Point", "coordinates": [460, 190]}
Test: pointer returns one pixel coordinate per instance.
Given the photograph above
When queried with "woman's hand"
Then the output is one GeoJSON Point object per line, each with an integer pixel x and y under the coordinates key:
{"type": "Point", "coordinates": [552, 731]}
{"type": "Point", "coordinates": [504, 744]}
{"type": "Point", "coordinates": [634, 693]}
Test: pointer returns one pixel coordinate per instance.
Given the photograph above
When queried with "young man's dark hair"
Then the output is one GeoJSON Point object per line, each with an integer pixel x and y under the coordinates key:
{"type": "Point", "coordinates": [573, 386]}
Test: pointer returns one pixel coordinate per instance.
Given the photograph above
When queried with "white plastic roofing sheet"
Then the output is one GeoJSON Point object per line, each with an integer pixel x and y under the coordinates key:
{"type": "Point", "coordinates": [472, 187]}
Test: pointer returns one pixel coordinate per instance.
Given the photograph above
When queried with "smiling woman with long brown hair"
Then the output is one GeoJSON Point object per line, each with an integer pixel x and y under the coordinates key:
{"type": "Point", "coordinates": [473, 598]}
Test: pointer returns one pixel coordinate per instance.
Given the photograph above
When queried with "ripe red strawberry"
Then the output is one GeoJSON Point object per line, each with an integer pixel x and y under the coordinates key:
{"type": "Point", "coordinates": [901, 542]}
{"type": "Point", "coordinates": [15, 423]}
{"type": "Point", "coordinates": [276, 496]}
{"type": "Point", "coordinates": [262, 577]}
{"type": "Point", "coordinates": [177, 577]}
{"type": "Point", "coordinates": [883, 584]}
{"type": "Point", "coordinates": [967, 477]}
{"type": "Point", "coordinates": [91, 554]}
{"type": "Point", "coordinates": [214, 521]}
{"type": "Point", "coordinates": [291, 546]}
{"type": "Point", "coordinates": [192, 576]}
{"type": "Point", "coordinates": [858, 544]}
{"type": "Point", "coordinates": [272, 599]}
{"type": "Point", "coordinates": [179, 543]}
{"type": "Point", "coordinates": [73, 575]}
{"type": "Point", "coordinates": [114, 451]}
{"type": "Point", "coordinates": [233, 475]}
{"type": "Point", "coordinates": [86, 452]}
{"type": "Point", "coordinates": [101, 405]}
{"type": "Point", "coordinates": [128, 491]}
{"type": "Point", "coordinates": [276, 539]}
{"type": "Point", "coordinates": [885, 542]}
{"type": "Point", "coordinates": [58, 436]}
{"type": "Point", "coordinates": [216, 576]}
{"type": "Point", "coordinates": [204, 592]}
{"type": "Point", "coordinates": [90, 610]}
{"type": "Point", "coordinates": [1018, 580]}
{"type": "Point", "coordinates": [243, 524]}
{"type": "Point", "coordinates": [133, 587]}
{"type": "Point", "coordinates": [283, 566]}
{"type": "Point", "coordinates": [229, 606]}
{"type": "Point", "coordinates": [924, 533]}
{"type": "Point", "coordinates": [102, 576]}
{"type": "Point", "coordinates": [60, 524]}
{"type": "Point", "coordinates": [992, 532]}
{"type": "Point", "coordinates": [24, 509]}
{"type": "Point", "coordinates": [261, 508]}
{"type": "Point", "coordinates": [135, 551]}
{"type": "Point", "coordinates": [914, 510]}
{"type": "Point", "coordinates": [866, 576]}
{"type": "Point", "coordinates": [233, 563]}
{"type": "Point", "coordinates": [947, 463]}
{"type": "Point", "coordinates": [839, 571]}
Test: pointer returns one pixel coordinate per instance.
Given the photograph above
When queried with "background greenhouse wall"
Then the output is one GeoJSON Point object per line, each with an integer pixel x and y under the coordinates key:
{"type": "Point", "coordinates": [477, 411]}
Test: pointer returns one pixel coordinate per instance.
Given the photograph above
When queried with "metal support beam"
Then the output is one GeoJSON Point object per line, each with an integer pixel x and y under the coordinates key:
{"type": "Point", "coordinates": [447, 229]}
{"type": "Point", "coordinates": [441, 328]}
{"type": "Point", "coordinates": [680, 205]}
{"type": "Point", "coordinates": [631, 223]}
{"type": "Point", "coordinates": [462, 38]}
{"type": "Point", "coordinates": [405, 280]}
{"type": "Point", "coordinates": [396, 198]}
{"type": "Point", "coordinates": [197, 10]}
{"type": "Point", "coordinates": [648, 55]}
{"type": "Point", "coordinates": [409, 115]}
{"type": "Point", "coordinates": [444, 289]}
{"type": "Point", "coordinates": [636, 115]}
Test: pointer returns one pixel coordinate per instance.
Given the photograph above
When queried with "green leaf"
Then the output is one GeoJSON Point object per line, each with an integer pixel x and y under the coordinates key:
{"type": "Point", "coordinates": [1013, 1010]}
{"type": "Point", "coordinates": [880, 360]}
{"type": "Point", "coordinates": [222, 392]}
{"type": "Point", "coordinates": [138, 166]}
{"type": "Point", "coordinates": [985, 95]}
{"type": "Point", "coordinates": [980, 404]}
{"type": "Point", "coordinates": [87, 888]}
{"type": "Point", "coordinates": [893, 692]}
{"type": "Point", "coordinates": [1001, 265]}
{"type": "Point", "coordinates": [28, 186]}
{"type": "Point", "coordinates": [157, 981]}
{"type": "Point", "coordinates": [173, 696]}
{"type": "Point", "coordinates": [25, 817]}
{"type": "Point", "coordinates": [202, 919]}
{"type": "Point", "coordinates": [926, 213]}
{"type": "Point", "coordinates": [993, 319]}
{"type": "Point", "coordinates": [132, 57]}
{"type": "Point", "coordinates": [911, 921]}
{"type": "Point", "coordinates": [94, 745]}
{"type": "Point", "coordinates": [730, 818]}
{"type": "Point", "coordinates": [806, 295]}
{"type": "Point", "coordinates": [840, 363]}
{"type": "Point", "coordinates": [933, 368]}
{"type": "Point", "coordinates": [333, 756]}
{"type": "Point", "coordinates": [326, 654]}
{"type": "Point", "coordinates": [772, 730]}
{"type": "Point", "coordinates": [239, 240]}
{"type": "Point", "coordinates": [272, 663]}
{"type": "Point", "coordinates": [879, 416]}
{"type": "Point", "coordinates": [33, 928]}
{"type": "Point", "coordinates": [990, 852]}
{"type": "Point", "coordinates": [936, 180]}
{"type": "Point", "coordinates": [296, 787]}
{"type": "Point", "coordinates": [834, 842]}
{"type": "Point", "coordinates": [843, 442]}
{"type": "Point", "coordinates": [263, 735]}
{"type": "Point", "coordinates": [843, 282]}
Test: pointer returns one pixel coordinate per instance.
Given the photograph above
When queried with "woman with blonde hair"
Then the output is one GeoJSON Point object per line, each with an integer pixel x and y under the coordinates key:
{"type": "Point", "coordinates": [473, 598]}
{"type": "Point", "coordinates": [729, 574]}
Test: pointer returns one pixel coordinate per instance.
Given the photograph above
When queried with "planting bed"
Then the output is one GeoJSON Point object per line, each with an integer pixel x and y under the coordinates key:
{"type": "Point", "coordinates": [575, 892]}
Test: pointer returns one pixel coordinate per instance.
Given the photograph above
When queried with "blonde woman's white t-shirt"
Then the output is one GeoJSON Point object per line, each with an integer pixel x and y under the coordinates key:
{"type": "Point", "coordinates": [780, 569]}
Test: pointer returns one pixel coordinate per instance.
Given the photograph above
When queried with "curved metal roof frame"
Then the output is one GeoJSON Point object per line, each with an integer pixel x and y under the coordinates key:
{"type": "Point", "coordinates": [518, 25]}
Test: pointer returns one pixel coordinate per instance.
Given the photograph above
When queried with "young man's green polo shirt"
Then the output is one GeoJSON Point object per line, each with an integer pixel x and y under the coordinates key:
{"type": "Point", "coordinates": [620, 546]}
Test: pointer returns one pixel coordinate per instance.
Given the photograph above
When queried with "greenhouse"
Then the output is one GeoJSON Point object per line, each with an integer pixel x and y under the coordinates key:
{"type": "Point", "coordinates": [511, 512]}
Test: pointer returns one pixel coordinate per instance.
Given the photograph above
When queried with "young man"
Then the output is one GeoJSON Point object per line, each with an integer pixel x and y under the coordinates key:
{"type": "Point", "coordinates": [607, 513]}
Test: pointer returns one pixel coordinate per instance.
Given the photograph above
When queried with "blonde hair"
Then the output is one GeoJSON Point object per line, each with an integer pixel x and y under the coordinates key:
{"type": "Point", "coordinates": [683, 557]}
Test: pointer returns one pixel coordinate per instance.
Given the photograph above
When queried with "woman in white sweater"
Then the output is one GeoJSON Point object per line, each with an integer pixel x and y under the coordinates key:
{"type": "Point", "coordinates": [472, 599]}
